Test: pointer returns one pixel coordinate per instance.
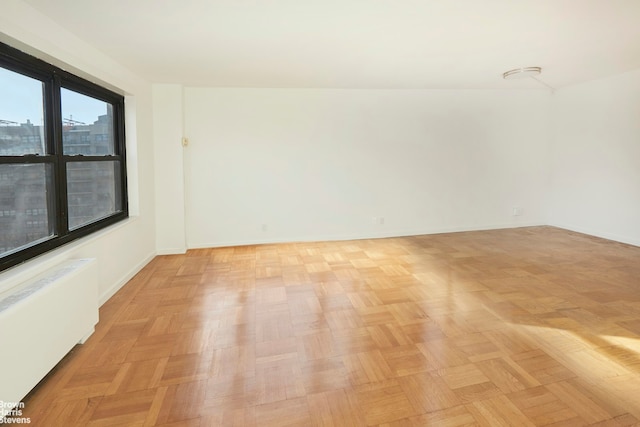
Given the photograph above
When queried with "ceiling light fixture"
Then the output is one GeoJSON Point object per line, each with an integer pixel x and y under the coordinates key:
{"type": "Point", "coordinates": [523, 73]}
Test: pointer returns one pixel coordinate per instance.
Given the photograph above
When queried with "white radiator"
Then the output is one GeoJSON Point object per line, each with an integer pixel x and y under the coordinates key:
{"type": "Point", "coordinates": [41, 320]}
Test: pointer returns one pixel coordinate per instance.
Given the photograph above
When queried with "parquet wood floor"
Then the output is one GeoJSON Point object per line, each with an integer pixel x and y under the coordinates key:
{"type": "Point", "coordinates": [522, 327]}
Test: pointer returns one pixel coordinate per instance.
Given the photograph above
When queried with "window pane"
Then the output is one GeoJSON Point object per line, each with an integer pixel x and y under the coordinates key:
{"type": "Point", "coordinates": [93, 191]}
{"type": "Point", "coordinates": [24, 211]}
{"type": "Point", "coordinates": [21, 115]}
{"type": "Point", "coordinates": [87, 125]}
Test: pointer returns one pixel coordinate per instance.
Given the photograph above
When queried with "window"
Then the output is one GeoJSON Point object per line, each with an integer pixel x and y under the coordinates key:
{"type": "Point", "coordinates": [62, 157]}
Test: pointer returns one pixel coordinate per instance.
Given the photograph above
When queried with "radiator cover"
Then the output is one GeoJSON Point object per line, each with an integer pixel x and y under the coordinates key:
{"type": "Point", "coordinates": [41, 320]}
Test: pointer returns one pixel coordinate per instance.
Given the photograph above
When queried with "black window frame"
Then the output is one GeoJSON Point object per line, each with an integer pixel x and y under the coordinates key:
{"type": "Point", "coordinates": [54, 79]}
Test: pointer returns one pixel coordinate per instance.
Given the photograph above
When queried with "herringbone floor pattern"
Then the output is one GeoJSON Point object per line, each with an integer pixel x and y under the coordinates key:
{"type": "Point", "coordinates": [521, 327]}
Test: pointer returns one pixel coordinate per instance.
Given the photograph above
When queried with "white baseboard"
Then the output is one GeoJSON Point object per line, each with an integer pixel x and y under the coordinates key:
{"type": "Point", "coordinates": [128, 276]}
{"type": "Point", "coordinates": [597, 233]}
{"type": "Point", "coordinates": [361, 236]}
{"type": "Point", "coordinates": [171, 251]}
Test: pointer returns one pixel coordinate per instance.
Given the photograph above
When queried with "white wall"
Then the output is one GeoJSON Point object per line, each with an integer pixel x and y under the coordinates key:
{"type": "Point", "coordinates": [319, 164]}
{"type": "Point", "coordinates": [122, 249]}
{"type": "Point", "coordinates": [169, 176]}
{"type": "Point", "coordinates": [596, 158]}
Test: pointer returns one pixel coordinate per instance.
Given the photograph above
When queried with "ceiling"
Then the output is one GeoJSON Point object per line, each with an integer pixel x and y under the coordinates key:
{"type": "Point", "coordinates": [403, 44]}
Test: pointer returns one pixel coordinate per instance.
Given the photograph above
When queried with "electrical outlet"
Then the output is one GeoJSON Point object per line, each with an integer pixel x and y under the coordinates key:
{"type": "Point", "coordinates": [265, 227]}
{"type": "Point", "coordinates": [381, 220]}
{"type": "Point", "coordinates": [517, 211]}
